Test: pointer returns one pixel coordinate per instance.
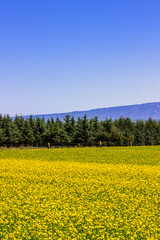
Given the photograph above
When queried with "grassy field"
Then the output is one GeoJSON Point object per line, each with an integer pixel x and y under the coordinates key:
{"type": "Point", "coordinates": [80, 193]}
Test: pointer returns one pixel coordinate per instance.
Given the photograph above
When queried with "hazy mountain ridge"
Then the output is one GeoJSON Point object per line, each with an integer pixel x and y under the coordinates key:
{"type": "Point", "coordinates": [138, 111]}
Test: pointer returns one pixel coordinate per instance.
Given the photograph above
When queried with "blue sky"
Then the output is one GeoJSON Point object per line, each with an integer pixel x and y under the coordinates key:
{"type": "Point", "coordinates": [66, 55]}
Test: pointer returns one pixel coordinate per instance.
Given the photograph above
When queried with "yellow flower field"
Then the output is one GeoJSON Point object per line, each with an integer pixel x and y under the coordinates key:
{"type": "Point", "coordinates": [80, 193]}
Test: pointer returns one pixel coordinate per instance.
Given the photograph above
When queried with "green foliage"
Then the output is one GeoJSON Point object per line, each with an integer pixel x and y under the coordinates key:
{"type": "Point", "coordinates": [37, 132]}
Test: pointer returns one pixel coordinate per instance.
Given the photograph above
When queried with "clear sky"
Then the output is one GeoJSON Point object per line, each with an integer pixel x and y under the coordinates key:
{"type": "Point", "coordinates": [66, 55]}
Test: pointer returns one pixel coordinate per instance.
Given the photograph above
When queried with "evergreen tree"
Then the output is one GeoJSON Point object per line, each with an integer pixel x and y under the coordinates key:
{"type": "Point", "coordinates": [150, 132]}
{"type": "Point", "coordinates": [6, 128]}
{"type": "Point", "coordinates": [3, 137]}
{"type": "Point", "coordinates": [86, 134]}
{"type": "Point", "coordinates": [68, 128]}
{"type": "Point", "coordinates": [121, 132]}
{"type": "Point", "coordinates": [78, 134]}
{"type": "Point", "coordinates": [28, 134]}
{"type": "Point", "coordinates": [139, 133]}
{"type": "Point", "coordinates": [157, 135]}
{"type": "Point", "coordinates": [14, 134]}
{"type": "Point", "coordinates": [39, 132]}
{"type": "Point", "coordinates": [32, 122]}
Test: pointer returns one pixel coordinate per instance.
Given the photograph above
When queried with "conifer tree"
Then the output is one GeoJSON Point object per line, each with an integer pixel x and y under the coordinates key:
{"type": "Point", "coordinates": [28, 134]}
{"type": "Point", "coordinates": [39, 131]}
{"type": "Point", "coordinates": [78, 134]}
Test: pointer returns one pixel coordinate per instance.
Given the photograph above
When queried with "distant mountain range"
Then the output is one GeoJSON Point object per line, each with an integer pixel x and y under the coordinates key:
{"type": "Point", "coordinates": [138, 111]}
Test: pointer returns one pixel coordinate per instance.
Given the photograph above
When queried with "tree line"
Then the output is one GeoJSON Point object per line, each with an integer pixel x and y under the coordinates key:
{"type": "Point", "coordinates": [83, 132]}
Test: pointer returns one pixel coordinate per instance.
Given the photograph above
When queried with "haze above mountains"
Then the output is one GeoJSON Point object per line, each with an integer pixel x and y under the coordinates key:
{"type": "Point", "coordinates": [138, 111]}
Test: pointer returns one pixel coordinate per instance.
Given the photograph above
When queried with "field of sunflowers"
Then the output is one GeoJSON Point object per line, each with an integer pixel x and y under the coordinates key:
{"type": "Point", "coordinates": [80, 193]}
